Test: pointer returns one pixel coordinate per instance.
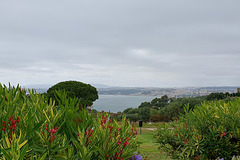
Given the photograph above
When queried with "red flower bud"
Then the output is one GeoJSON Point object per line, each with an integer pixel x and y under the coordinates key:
{"type": "Point", "coordinates": [126, 143]}
{"type": "Point", "coordinates": [4, 123]}
{"type": "Point", "coordinates": [53, 131]}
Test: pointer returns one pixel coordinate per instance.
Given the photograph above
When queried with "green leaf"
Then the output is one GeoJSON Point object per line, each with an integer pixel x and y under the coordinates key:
{"type": "Point", "coordinates": [43, 156]}
{"type": "Point", "coordinates": [37, 126]}
{"type": "Point", "coordinates": [7, 156]}
{"type": "Point", "coordinates": [59, 149]}
{"type": "Point", "coordinates": [23, 152]}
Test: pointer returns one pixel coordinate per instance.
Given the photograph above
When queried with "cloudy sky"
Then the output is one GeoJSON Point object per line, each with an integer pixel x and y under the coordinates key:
{"type": "Point", "coordinates": [134, 43]}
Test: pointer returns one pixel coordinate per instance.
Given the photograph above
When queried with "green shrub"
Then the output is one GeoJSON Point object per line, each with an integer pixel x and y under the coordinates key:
{"type": "Point", "coordinates": [33, 127]}
{"type": "Point", "coordinates": [209, 131]}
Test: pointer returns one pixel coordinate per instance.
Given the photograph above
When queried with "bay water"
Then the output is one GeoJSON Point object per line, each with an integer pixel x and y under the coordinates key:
{"type": "Point", "coordinates": [116, 103]}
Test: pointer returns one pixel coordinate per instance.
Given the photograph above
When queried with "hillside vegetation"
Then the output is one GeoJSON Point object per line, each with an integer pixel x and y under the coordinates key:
{"type": "Point", "coordinates": [167, 109]}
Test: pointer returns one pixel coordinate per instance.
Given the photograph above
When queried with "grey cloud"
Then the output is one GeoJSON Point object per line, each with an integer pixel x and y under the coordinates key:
{"type": "Point", "coordinates": [156, 41]}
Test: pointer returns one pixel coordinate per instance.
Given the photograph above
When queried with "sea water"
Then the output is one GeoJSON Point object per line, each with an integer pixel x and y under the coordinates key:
{"type": "Point", "coordinates": [116, 103]}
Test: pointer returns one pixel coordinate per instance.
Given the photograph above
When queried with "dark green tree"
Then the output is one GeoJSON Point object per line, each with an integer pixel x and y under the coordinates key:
{"type": "Point", "coordinates": [158, 103]}
{"type": "Point", "coordinates": [215, 96]}
{"type": "Point", "coordinates": [127, 110]}
{"type": "Point", "coordinates": [227, 94]}
{"type": "Point", "coordinates": [144, 114]}
{"type": "Point", "coordinates": [133, 117]}
{"type": "Point", "coordinates": [145, 104]}
{"type": "Point", "coordinates": [86, 93]}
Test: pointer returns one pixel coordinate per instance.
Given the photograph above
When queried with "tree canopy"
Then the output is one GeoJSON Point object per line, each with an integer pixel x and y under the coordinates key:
{"type": "Point", "coordinates": [86, 93]}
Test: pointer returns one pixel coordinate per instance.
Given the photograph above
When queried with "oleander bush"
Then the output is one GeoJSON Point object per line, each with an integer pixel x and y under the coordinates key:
{"type": "Point", "coordinates": [33, 127]}
{"type": "Point", "coordinates": [209, 131]}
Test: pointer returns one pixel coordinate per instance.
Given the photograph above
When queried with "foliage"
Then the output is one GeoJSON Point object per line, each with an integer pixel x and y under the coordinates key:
{"type": "Point", "coordinates": [208, 131]}
{"type": "Point", "coordinates": [156, 103]}
{"type": "Point", "coordinates": [86, 93]}
{"type": "Point", "coordinates": [176, 107]}
{"type": "Point", "coordinates": [217, 96]}
{"type": "Point", "coordinates": [165, 109]}
{"type": "Point", "coordinates": [161, 109]}
{"type": "Point", "coordinates": [33, 127]}
{"type": "Point", "coordinates": [220, 95]}
{"type": "Point", "coordinates": [143, 112]}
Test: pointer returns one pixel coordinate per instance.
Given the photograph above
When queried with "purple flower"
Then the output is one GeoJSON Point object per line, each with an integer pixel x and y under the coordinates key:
{"type": "Point", "coordinates": [136, 157]}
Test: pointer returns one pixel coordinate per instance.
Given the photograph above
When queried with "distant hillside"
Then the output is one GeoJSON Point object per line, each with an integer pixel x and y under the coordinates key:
{"type": "Point", "coordinates": [35, 86]}
{"type": "Point", "coordinates": [147, 91]}
{"type": "Point", "coordinates": [172, 92]}
{"type": "Point", "coordinates": [101, 86]}
{"type": "Point", "coordinates": [221, 88]}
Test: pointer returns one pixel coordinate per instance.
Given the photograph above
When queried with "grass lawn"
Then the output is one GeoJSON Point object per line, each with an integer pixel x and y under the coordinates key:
{"type": "Point", "coordinates": [149, 147]}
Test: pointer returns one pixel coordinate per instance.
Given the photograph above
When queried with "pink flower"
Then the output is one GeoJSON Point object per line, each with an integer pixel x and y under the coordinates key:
{"type": "Point", "coordinates": [222, 134]}
{"type": "Point", "coordinates": [53, 130]}
{"type": "Point", "coordinates": [126, 143]}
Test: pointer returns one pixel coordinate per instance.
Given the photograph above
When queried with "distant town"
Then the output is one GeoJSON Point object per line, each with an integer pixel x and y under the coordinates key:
{"type": "Point", "coordinates": [158, 92]}
{"type": "Point", "coordinates": [170, 92]}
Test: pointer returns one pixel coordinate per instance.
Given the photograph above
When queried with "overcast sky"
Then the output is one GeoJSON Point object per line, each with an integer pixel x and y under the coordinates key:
{"type": "Point", "coordinates": [134, 43]}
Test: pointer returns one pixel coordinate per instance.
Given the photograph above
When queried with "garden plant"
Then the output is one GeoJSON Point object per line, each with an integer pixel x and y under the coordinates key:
{"type": "Point", "coordinates": [33, 127]}
{"type": "Point", "coordinates": [209, 131]}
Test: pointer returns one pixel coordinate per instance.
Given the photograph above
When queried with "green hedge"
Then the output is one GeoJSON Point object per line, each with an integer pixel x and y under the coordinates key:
{"type": "Point", "coordinates": [209, 131]}
{"type": "Point", "coordinates": [33, 127]}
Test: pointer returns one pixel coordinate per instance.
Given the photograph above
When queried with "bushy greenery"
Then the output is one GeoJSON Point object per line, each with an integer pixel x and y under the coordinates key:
{"type": "Point", "coordinates": [176, 107]}
{"type": "Point", "coordinates": [209, 131]}
{"type": "Point", "coordinates": [33, 127]}
{"type": "Point", "coordinates": [161, 109]}
{"type": "Point", "coordinates": [165, 109]}
{"type": "Point", "coordinates": [86, 93]}
{"type": "Point", "coordinates": [220, 95]}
